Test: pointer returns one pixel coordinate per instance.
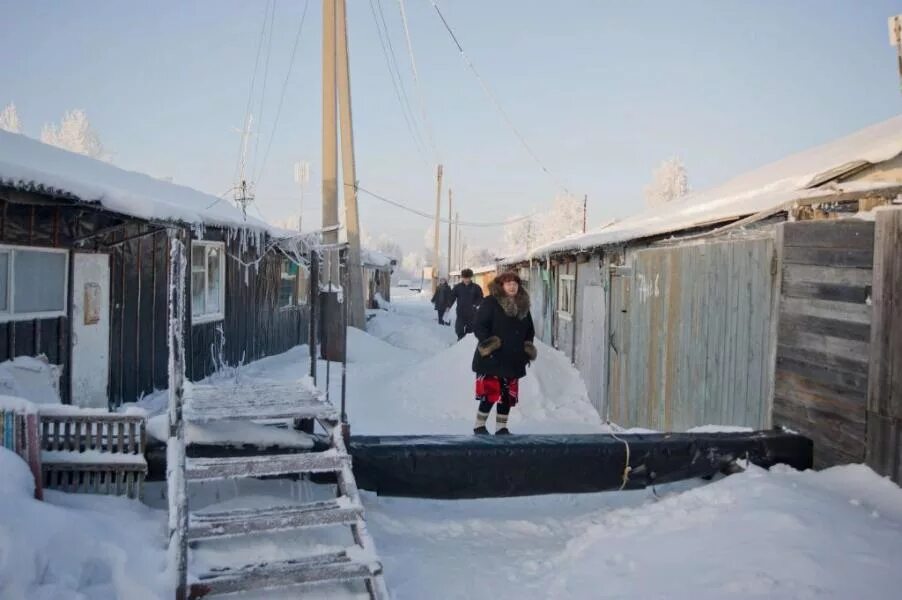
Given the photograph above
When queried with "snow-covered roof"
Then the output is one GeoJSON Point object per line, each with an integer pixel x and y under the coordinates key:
{"type": "Point", "coordinates": [374, 258]}
{"type": "Point", "coordinates": [766, 188]}
{"type": "Point", "coordinates": [30, 165]}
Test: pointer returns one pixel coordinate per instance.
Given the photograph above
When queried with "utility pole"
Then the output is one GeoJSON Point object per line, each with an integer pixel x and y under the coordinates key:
{"type": "Point", "coordinates": [585, 202]}
{"type": "Point", "coordinates": [354, 295]}
{"type": "Point", "coordinates": [895, 39]}
{"type": "Point", "coordinates": [330, 131]}
{"type": "Point", "coordinates": [450, 225]}
{"type": "Point", "coordinates": [456, 240]}
{"type": "Point", "coordinates": [438, 213]}
{"type": "Point", "coordinates": [331, 347]}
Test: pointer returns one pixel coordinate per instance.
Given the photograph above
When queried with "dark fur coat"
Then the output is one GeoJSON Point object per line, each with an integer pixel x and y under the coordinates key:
{"type": "Point", "coordinates": [504, 328]}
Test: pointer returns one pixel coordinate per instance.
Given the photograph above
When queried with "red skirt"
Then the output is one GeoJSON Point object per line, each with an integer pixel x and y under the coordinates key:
{"type": "Point", "coordinates": [494, 389]}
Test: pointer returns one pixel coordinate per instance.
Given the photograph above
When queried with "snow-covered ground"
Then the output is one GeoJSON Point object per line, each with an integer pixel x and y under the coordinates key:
{"type": "Point", "coordinates": [759, 534]}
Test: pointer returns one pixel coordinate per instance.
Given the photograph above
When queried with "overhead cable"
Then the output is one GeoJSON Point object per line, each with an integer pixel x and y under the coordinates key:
{"type": "Point", "coordinates": [488, 91]}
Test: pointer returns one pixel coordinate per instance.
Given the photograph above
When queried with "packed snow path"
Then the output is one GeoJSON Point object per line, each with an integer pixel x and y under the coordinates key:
{"type": "Point", "coordinates": [775, 535]}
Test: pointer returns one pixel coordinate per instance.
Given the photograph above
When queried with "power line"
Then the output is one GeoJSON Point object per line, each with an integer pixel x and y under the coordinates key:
{"type": "Point", "coordinates": [297, 39]}
{"type": "Point", "coordinates": [250, 92]}
{"type": "Point", "coordinates": [397, 70]}
{"type": "Point", "coordinates": [392, 75]}
{"type": "Point", "coordinates": [272, 19]}
{"type": "Point", "coordinates": [496, 102]}
{"type": "Point", "coordinates": [416, 82]}
{"type": "Point", "coordinates": [430, 216]}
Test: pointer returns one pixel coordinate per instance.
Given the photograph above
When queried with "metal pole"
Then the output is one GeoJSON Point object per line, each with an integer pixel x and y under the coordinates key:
{"type": "Point", "coordinates": [438, 213]}
{"type": "Point", "coordinates": [325, 329]}
{"type": "Point", "coordinates": [353, 290]}
{"type": "Point", "coordinates": [344, 355]}
{"type": "Point", "coordinates": [313, 295]}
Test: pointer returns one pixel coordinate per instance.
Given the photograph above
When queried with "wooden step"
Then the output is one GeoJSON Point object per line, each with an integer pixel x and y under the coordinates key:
{"type": "Point", "coordinates": [200, 469]}
{"type": "Point", "coordinates": [222, 524]}
{"type": "Point", "coordinates": [254, 400]}
{"type": "Point", "coordinates": [336, 566]}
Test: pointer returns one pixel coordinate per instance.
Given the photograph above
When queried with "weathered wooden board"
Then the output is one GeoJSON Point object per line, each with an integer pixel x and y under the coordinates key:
{"type": "Point", "coordinates": [824, 335]}
{"type": "Point", "coordinates": [691, 331]}
{"type": "Point", "coordinates": [885, 364]}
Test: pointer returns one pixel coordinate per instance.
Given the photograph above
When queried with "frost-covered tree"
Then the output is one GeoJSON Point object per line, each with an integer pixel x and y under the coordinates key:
{"type": "Point", "coordinates": [668, 182]}
{"type": "Point", "coordinates": [479, 257]}
{"type": "Point", "coordinates": [520, 235]}
{"type": "Point", "coordinates": [412, 266]}
{"type": "Point", "coordinates": [74, 134]}
{"type": "Point", "coordinates": [564, 218]}
{"type": "Point", "coordinates": [9, 119]}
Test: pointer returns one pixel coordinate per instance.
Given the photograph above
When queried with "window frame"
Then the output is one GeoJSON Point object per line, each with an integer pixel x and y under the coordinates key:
{"type": "Point", "coordinates": [567, 281]}
{"type": "Point", "coordinates": [8, 315]}
{"type": "Point", "coordinates": [207, 317]}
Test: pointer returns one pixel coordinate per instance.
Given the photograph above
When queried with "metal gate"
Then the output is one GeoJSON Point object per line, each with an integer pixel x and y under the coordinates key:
{"type": "Point", "coordinates": [691, 335]}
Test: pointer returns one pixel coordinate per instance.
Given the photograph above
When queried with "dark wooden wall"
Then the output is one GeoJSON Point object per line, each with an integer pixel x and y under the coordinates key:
{"type": "Point", "coordinates": [821, 377]}
{"type": "Point", "coordinates": [254, 326]}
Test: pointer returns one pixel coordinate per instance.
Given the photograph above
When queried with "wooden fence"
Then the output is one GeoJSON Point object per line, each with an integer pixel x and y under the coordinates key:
{"type": "Point", "coordinates": [884, 401]}
{"type": "Point", "coordinates": [821, 371]}
{"type": "Point", "coordinates": [691, 331]}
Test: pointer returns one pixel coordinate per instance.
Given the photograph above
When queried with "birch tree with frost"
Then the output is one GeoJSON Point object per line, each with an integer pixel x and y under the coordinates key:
{"type": "Point", "coordinates": [668, 182]}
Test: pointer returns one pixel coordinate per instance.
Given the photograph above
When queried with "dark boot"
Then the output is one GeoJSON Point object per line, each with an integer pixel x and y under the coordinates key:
{"type": "Point", "coordinates": [481, 430]}
{"type": "Point", "coordinates": [503, 431]}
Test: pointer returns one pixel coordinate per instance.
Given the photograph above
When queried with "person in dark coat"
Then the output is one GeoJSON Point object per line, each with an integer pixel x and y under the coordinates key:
{"type": "Point", "coordinates": [504, 328]}
{"type": "Point", "coordinates": [441, 300]}
{"type": "Point", "coordinates": [468, 295]}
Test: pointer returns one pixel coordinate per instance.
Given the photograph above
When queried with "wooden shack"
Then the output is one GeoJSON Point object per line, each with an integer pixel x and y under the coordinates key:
{"type": "Point", "coordinates": [84, 266]}
{"type": "Point", "coordinates": [748, 304]}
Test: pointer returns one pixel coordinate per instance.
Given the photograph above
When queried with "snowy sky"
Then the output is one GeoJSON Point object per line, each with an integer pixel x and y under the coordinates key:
{"type": "Point", "coordinates": [602, 90]}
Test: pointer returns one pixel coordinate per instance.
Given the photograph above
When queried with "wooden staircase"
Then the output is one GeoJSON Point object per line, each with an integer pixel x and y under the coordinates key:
{"type": "Point", "coordinates": [258, 401]}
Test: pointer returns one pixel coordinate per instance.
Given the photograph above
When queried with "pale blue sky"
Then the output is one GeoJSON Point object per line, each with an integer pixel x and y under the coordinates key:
{"type": "Point", "coordinates": [602, 90]}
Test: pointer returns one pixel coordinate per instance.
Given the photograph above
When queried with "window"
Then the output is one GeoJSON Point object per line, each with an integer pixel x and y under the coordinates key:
{"type": "Point", "coordinates": [33, 283]}
{"type": "Point", "coordinates": [565, 297]}
{"type": "Point", "coordinates": [292, 284]}
{"type": "Point", "coordinates": [207, 281]}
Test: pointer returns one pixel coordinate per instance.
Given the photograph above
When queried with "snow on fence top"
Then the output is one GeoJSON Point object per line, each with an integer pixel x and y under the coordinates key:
{"type": "Point", "coordinates": [766, 188]}
{"type": "Point", "coordinates": [30, 165]}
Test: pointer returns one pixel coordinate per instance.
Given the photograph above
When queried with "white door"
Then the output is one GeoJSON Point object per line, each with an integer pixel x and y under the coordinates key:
{"type": "Point", "coordinates": [592, 341]}
{"type": "Point", "coordinates": [90, 329]}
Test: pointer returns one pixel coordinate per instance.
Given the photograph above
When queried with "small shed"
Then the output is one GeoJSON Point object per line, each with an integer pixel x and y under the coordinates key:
{"type": "Point", "coordinates": [84, 266]}
{"type": "Point", "coordinates": [377, 272]}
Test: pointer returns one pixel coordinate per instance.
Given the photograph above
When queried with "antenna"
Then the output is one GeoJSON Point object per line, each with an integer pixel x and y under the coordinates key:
{"type": "Point", "coordinates": [244, 193]}
{"type": "Point", "coordinates": [301, 177]}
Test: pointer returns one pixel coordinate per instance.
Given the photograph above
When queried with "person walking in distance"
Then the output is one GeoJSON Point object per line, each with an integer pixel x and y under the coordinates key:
{"type": "Point", "coordinates": [441, 300]}
{"type": "Point", "coordinates": [504, 328]}
{"type": "Point", "coordinates": [468, 295]}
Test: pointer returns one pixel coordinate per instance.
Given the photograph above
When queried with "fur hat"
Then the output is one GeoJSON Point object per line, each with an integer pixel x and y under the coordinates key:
{"type": "Point", "coordinates": [467, 273]}
{"type": "Point", "coordinates": [508, 276]}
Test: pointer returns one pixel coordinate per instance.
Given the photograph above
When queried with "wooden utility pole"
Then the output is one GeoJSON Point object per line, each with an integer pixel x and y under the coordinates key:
{"type": "Point", "coordinates": [585, 203]}
{"type": "Point", "coordinates": [330, 309]}
{"type": "Point", "coordinates": [354, 293]}
{"type": "Point", "coordinates": [456, 240]}
{"type": "Point", "coordinates": [438, 213]}
{"type": "Point", "coordinates": [330, 129]}
{"type": "Point", "coordinates": [450, 225]}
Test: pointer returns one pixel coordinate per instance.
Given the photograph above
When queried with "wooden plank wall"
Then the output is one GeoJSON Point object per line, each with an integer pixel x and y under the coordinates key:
{"type": "Point", "coordinates": [254, 325]}
{"type": "Point", "coordinates": [691, 329]}
{"type": "Point", "coordinates": [821, 371]}
{"type": "Point", "coordinates": [49, 227]}
{"type": "Point", "coordinates": [884, 405]}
